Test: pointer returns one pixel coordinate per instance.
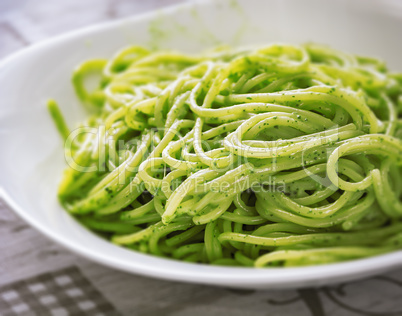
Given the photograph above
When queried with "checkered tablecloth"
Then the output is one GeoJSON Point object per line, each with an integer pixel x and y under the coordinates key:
{"type": "Point", "coordinates": [38, 277]}
{"type": "Point", "coordinates": [61, 292]}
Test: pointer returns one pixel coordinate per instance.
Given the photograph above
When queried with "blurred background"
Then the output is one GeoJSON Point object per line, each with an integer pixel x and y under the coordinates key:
{"type": "Point", "coordinates": [38, 277]}
{"type": "Point", "coordinates": [23, 22]}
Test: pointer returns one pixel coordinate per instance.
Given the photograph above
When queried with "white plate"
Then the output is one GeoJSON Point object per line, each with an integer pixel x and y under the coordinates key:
{"type": "Point", "coordinates": [31, 159]}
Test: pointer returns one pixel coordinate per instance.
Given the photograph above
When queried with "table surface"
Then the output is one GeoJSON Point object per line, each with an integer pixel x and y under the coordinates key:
{"type": "Point", "coordinates": [38, 277]}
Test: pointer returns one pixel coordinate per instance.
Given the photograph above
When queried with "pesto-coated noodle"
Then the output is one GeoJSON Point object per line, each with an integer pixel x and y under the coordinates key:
{"type": "Point", "coordinates": [281, 155]}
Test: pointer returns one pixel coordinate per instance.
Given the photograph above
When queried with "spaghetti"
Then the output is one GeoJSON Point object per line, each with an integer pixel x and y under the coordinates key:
{"type": "Point", "coordinates": [281, 155]}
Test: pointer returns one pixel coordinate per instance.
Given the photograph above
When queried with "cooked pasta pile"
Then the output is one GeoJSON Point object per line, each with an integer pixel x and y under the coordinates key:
{"type": "Point", "coordinates": [280, 155]}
